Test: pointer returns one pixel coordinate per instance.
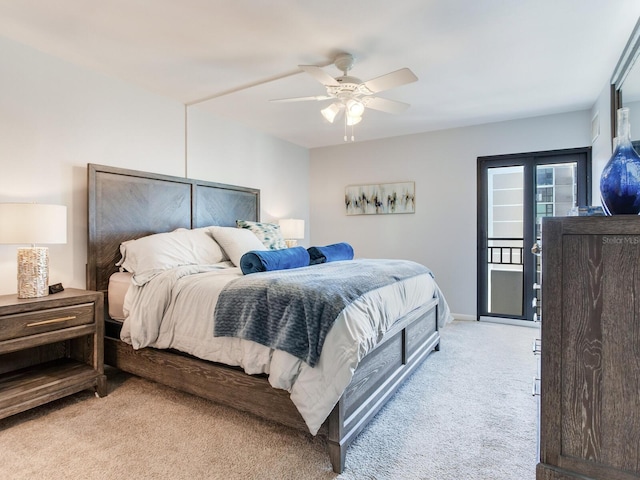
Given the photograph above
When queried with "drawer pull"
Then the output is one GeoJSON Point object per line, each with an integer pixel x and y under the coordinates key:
{"type": "Point", "coordinates": [537, 346]}
{"type": "Point", "coordinates": [49, 322]}
{"type": "Point", "coordinates": [536, 387]}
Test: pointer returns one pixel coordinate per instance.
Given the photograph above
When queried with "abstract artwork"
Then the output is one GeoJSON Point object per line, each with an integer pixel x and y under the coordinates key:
{"type": "Point", "coordinates": [380, 199]}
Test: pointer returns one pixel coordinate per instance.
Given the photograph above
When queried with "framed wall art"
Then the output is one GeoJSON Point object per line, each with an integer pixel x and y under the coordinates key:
{"type": "Point", "coordinates": [382, 198]}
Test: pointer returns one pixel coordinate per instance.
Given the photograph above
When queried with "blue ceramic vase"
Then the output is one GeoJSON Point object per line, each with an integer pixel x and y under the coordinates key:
{"type": "Point", "coordinates": [620, 180]}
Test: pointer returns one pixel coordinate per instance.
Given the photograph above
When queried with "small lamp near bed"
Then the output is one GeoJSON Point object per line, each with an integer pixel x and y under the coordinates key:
{"type": "Point", "coordinates": [31, 223]}
{"type": "Point", "coordinates": [292, 230]}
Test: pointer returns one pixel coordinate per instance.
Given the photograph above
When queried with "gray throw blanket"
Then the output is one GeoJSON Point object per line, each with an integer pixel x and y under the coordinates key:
{"type": "Point", "coordinates": [293, 310]}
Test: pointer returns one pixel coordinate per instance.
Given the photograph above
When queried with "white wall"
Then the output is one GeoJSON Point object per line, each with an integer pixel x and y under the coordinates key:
{"type": "Point", "coordinates": [230, 153]}
{"type": "Point", "coordinates": [442, 232]}
{"type": "Point", "coordinates": [56, 117]}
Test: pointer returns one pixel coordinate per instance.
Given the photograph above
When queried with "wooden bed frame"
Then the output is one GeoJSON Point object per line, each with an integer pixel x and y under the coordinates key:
{"type": "Point", "coordinates": [127, 204]}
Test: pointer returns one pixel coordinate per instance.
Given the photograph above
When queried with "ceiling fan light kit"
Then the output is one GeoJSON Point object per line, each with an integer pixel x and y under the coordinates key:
{"type": "Point", "coordinates": [331, 112]}
{"type": "Point", "coordinates": [355, 108]}
{"type": "Point", "coordinates": [352, 94]}
{"type": "Point", "coordinates": [351, 120]}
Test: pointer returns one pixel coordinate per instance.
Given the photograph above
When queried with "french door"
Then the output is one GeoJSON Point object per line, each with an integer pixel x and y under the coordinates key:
{"type": "Point", "coordinates": [514, 193]}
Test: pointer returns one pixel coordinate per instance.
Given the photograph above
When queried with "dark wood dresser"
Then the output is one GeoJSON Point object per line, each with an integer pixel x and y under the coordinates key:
{"type": "Point", "coordinates": [590, 387]}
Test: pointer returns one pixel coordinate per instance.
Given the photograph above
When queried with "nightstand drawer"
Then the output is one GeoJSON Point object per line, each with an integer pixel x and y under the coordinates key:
{"type": "Point", "coordinates": [25, 324]}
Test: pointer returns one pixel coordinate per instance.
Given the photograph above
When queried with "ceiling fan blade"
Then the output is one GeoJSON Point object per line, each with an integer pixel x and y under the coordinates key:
{"type": "Point", "coordinates": [302, 99]}
{"type": "Point", "coordinates": [323, 77]}
{"type": "Point", "coordinates": [391, 80]}
{"type": "Point", "coordinates": [385, 105]}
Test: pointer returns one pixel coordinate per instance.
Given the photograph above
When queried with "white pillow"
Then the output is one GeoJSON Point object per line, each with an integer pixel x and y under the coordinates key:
{"type": "Point", "coordinates": [236, 241]}
{"type": "Point", "coordinates": [150, 255]}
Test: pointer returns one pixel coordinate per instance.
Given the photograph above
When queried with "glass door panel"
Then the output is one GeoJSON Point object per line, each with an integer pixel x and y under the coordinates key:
{"type": "Point", "coordinates": [505, 240]}
{"type": "Point", "coordinates": [556, 195]}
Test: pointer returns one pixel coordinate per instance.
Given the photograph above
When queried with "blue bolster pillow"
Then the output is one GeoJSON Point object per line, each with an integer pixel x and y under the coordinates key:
{"type": "Point", "coordinates": [268, 260]}
{"type": "Point", "coordinates": [330, 253]}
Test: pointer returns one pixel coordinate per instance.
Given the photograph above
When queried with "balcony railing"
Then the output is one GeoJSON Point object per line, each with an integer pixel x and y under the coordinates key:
{"type": "Point", "coordinates": [500, 252]}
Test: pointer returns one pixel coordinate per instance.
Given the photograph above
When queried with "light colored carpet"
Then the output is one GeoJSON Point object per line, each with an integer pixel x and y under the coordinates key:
{"type": "Point", "coordinates": [466, 414]}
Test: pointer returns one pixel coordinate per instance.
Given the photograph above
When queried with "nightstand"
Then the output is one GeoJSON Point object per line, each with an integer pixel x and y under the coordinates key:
{"type": "Point", "coordinates": [50, 347]}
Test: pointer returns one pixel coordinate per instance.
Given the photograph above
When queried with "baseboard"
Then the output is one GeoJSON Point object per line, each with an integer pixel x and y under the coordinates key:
{"type": "Point", "coordinates": [506, 321]}
{"type": "Point", "coordinates": [462, 316]}
{"type": "Point", "coordinates": [511, 321]}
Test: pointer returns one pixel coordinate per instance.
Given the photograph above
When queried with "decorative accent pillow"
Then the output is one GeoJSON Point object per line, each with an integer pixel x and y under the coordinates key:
{"type": "Point", "coordinates": [236, 241]}
{"type": "Point", "coordinates": [268, 233]}
{"type": "Point", "coordinates": [146, 257]}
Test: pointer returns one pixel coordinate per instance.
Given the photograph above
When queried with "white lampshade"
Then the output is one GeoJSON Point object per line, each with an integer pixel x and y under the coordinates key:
{"type": "Point", "coordinates": [292, 228]}
{"type": "Point", "coordinates": [355, 108]}
{"type": "Point", "coordinates": [353, 120]}
{"type": "Point", "coordinates": [330, 112]}
{"type": "Point", "coordinates": [31, 223]}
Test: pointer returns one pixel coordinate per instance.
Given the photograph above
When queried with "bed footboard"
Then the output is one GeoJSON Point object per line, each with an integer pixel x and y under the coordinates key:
{"type": "Point", "coordinates": [378, 376]}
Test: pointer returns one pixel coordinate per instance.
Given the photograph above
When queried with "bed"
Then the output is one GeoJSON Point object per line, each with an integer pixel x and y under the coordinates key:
{"type": "Point", "coordinates": [125, 204]}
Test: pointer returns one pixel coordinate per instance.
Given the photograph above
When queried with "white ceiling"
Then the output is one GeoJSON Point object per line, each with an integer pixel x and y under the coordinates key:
{"type": "Point", "coordinates": [477, 61]}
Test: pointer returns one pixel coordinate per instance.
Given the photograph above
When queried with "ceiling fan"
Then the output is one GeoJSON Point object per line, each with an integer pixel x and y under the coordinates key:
{"type": "Point", "coordinates": [351, 95]}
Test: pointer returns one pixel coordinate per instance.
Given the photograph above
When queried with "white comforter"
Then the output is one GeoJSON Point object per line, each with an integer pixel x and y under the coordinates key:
{"type": "Point", "coordinates": [176, 309]}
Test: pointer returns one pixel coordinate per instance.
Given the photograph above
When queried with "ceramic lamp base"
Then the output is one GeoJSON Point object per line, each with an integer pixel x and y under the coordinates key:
{"type": "Point", "coordinates": [33, 272]}
{"type": "Point", "coordinates": [291, 243]}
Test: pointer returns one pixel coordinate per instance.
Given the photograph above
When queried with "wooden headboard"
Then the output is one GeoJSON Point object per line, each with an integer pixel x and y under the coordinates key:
{"type": "Point", "coordinates": [128, 204]}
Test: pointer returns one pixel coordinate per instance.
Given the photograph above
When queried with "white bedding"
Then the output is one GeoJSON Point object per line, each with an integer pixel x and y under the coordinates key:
{"type": "Point", "coordinates": [176, 310]}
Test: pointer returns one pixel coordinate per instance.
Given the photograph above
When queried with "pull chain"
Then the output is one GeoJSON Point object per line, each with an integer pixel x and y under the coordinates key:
{"type": "Point", "coordinates": [345, 128]}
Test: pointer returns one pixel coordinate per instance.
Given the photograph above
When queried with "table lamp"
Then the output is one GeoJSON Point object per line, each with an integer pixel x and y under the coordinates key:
{"type": "Point", "coordinates": [292, 230]}
{"type": "Point", "coordinates": [31, 223]}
